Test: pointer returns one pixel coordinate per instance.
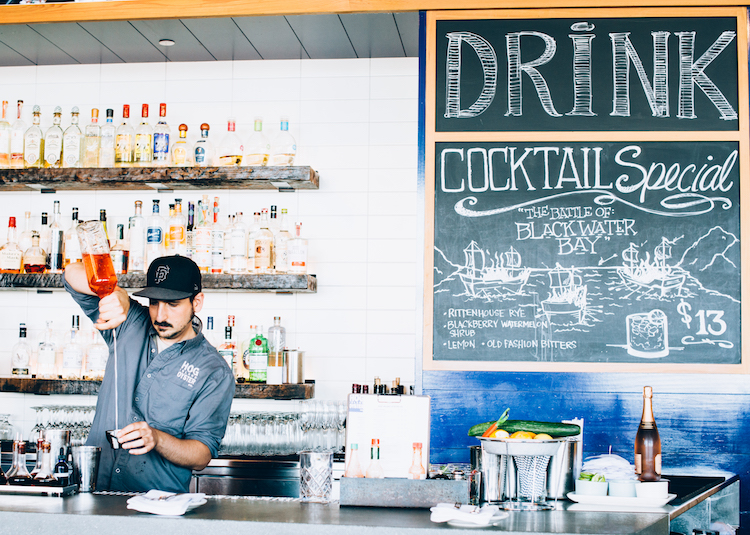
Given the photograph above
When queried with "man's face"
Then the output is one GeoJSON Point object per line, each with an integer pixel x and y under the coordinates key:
{"type": "Point", "coordinates": [173, 319]}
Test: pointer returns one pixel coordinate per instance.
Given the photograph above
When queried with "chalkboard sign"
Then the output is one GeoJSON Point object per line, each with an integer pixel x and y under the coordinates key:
{"type": "Point", "coordinates": [583, 190]}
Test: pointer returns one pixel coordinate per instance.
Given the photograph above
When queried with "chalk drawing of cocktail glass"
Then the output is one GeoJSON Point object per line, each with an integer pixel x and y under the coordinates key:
{"type": "Point", "coordinates": [647, 334]}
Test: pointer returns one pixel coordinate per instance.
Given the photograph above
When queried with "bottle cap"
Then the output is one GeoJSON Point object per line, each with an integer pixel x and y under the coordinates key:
{"type": "Point", "coordinates": [126, 111]}
{"type": "Point", "coordinates": [183, 128]}
{"type": "Point", "coordinates": [12, 221]}
{"type": "Point", "coordinates": [163, 109]}
{"type": "Point", "coordinates": [37, 109]}
{"type": "Point", "coordinates": [110, 112]}
{"type": "Point", "coordinates": [144, 111]}
{"type": "Point", "coordinates": [58, 109]}
{"type": "Point", "coordinates": [94, 113]}
{"type": "Point", "coordinates": [205, 126]}
{"type": "Point", "coordinates": [75, 110]}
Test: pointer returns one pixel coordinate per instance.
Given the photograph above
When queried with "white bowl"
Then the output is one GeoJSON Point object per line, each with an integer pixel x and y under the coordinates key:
{"type": "Point", "coordinates": [591, 488]}
{"type": "Point", "coordinates": [652, 489]}
{"type": "Point", "coordinates": [624, 488]}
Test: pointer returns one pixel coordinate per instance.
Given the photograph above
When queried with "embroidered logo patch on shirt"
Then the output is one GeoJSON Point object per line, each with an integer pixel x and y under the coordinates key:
{"type": "Point", "coordinates": [188, 373]}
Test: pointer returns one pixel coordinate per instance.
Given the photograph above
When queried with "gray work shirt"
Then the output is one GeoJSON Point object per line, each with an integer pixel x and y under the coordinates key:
{"type": "Point", "coordinates": [186, 391]}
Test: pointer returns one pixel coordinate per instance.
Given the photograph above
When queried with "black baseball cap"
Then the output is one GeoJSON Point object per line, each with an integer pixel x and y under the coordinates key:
{"type": "Point", "coordinates": [171, 278]}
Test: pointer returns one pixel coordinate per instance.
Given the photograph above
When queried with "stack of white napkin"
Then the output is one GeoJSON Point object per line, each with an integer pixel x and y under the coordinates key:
{"type": "Point", "coordinates": [470, 514]}
{"type": "Point", "coordinates": [158, 502]}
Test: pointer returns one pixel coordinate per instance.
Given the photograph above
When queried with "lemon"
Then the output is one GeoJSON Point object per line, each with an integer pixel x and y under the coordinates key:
{"type": "Point", "coordinates": [524, 435]}
{"type": "Point", "coordinates": [542, 436]}
{"type": "Point", "coordinates": [500, 433]}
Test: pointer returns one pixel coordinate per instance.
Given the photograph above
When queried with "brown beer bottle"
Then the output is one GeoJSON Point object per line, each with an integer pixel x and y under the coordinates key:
{"type": "Point", "coordinates": [647, 443]}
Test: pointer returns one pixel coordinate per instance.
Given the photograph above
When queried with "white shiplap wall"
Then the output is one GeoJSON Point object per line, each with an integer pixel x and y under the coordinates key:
{"type": "Point", "coordinates": [355, 122]}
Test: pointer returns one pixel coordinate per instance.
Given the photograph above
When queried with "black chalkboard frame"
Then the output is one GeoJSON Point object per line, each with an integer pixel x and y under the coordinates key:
{"type": "Point", "coordinates": [433, 359]}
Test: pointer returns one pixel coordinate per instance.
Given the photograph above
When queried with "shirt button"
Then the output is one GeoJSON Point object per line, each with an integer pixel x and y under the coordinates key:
{"type": "Point", "coordinates": [117, 470]}
{"type": "Point", "coordinates": [137, 399]}
{"type": "Point", "coordinates": [149, 376]}
{"type": "Point", "coordinates": [135, 418]}
{"type": "Point", "coordinates": [153, 351]}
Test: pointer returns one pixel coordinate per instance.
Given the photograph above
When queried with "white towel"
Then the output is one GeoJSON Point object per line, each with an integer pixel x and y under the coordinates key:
{"type": "Point", "coordinates": [472, 514]}
{"type": "Point", "coordinates": [158, 502]}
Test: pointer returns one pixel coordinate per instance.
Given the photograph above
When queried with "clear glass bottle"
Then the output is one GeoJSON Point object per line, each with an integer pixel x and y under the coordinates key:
{"type": "Point", "coordinates": [161, 138]}
{"type": "Point", "coordinates": [417, 471]}
{"type": "Point", "coordinates": [258, 147]}
{"type": "Point", "coordinates": [125, 140]}
{"type": "Point", "coordinates": [72, 364]}
{"type": "Point", "coordinates": [230, 149]}
{"type": "Point", "coordinates": [144, 134]}
{"type": "Point", "coordinates": [283, 147]}
{"type": "Point", "coordinates": [39, 446]}
{"type": "Point", "coordinates": [647, 442]}
{"type": "Point", "coordinates": [228, 348]}
{"type": "Point", "coordinates": [5, 130]}
{"type": "Point", "coordinates": [119, 251]}
{"type": "Point", "coordinates": [97, 354]}
{"type": "Point", "coordinates": [209, 333]}
{"type": "Point", "coordinates": [297, 251]}
{"type": "Point", "coordinates": [44, 477]}
{"type": "Point", "coordinates": [71, 244]}
{"type": "Point", "coordinates": [190, 229]}
{"type": "Point", "coordinates": [103, 219]}
{"type": "Point", "coordinates": [55, 262]}
{"type": "Point", "coordinates": [375, 470]}
{"type": "Point", "coordinates": [202, 237]}
{"type": "Point", "coordinates": [11, 255]}
{"type": "Point", "coordinates": [276, 336]}
{"type": "Point", "coordinates": [53, 141]}
{"type": "Point", "coordinates": [46, 355]}
{"type": "Point", "coordinates": [34, 258]}
{"type": "Point", "coordinates": [21, 354]}
{"type": "Point", "coordinates": [73, 143]}
{"type": "Point", "coordinates": [107, 139]}
{"type": "Point", "coordinates": [17, 132]}
{"type": "Point", "coordinates": [18, 473]}
{"type": "Point", "coordinates": [263, 245]}
{"type": "Point", "coordinates": [137, 240]}
{"type": "Point", "coordinates": [255, 356]}
{"type": "Point", "coordinates": [155, 230]}
{"type": "Point", "coordinates": [203, 150]}
{"type": "Point", "coordinates": [45, 236]}
{"type": "Point", "coordinates": [92, 145]}
{"type": "Point", "coordinates": [33, 142]}
{"type": "Point", "coordinates": [238, 245]}
{"type": "Point", "coordinates": [217, 241]}
{"type": "Point", "coordinates": [24, 238]}
{"type": "Point", "coordinates": [281, 245]}
{"type": "Point", "coordinates": [180, 152]}
{"type": "Point", "coordinates": [177, 231]}
{"type": "Point", "coordinates": [353, 468]}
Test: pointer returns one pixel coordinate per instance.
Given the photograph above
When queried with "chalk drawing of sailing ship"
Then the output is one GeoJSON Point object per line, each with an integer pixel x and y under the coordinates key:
{"type": "Point", "coordinates": [655, 277]}
{"type": "Point", "coordinates": [566, 304]}
{"type": "Point", "coordinates": [503, 276]}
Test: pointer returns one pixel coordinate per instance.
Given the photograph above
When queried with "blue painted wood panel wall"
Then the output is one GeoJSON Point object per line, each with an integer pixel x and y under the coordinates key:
{"type": "Point", "coordinates": [703, 420]}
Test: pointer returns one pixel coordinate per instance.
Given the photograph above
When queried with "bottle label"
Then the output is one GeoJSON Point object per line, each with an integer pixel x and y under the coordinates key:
{"type": "Point", "coordinates": [96, 359]}
{"type": "Point", "coordinates": [256, 364]}
{"type": "Point", "coordinates": [161, 146]}
{"type": "Point", "coordinates": [238, 243]}
{"type": "Point", "coordinates": [262, 254]}
{"type": "Point", "coordinates": [154, 235]}
{"type": "Point", "coordinates": [10, 260]}
{"type": "Point", "coordinates": [176, 235]}
{"type": "Point", "coordinates": [179, 156]}
{"type": "Point", "coordinates": [200, 155]}
{"type": "Point", "coordinates": [52, 151]}
{"type": "Point", "coordinates": [31, 153]}
{"type": "Point", "coordinates": [143, 148]}
{"type": "Point", "coordinates": [124, 148]}
{"type": "Point", "coordinates": [20, 371]}
{"type": "Point", "coordinates": [72, 152]}
{"type": "Point", "coordinates": [72, 358]}
{"type": "Point", "coordinates": [228, 355]}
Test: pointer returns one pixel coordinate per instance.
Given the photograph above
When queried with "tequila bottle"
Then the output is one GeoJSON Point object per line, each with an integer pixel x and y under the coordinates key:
{"type": "Point", "coordinates": [73, 143]}
{"type": "Point", "coordinates": [33, 142]}
{"type": "Point", "coordinates": [55, 261]}
{"type": "Point", "coordinates": [230, 150]}
{"type": "Point", "coordinates": [21, 354]}
{"type": "Point", "coordinates": [11, 254]}
{"type": "Point", "coordinates": [124, 140]}
{"type": "Point", "coordinates": [46, 356]}
{"type": "Point", "coordinates": [119, 252]}
{"type": "Point", "coordinates": [297, 251]}
{"type": "Point", "coordinates": [203, 150]}
{"type": "Point", "coordinates": [108, 136]}
{"type": "Point", "coordinates": [155, 227]}
{"type": "Point", "coordinates": [5, 130]}
{"type": "Point", "coordinates": [238, 245]}
{"type": "Point", "coordinates": [177, 231]}
{"type": "Point", "coordinates": [258, 147]}
{"type": "Point", "coordinates": [72, 365]}
{"type": "Point", "coordinates": [143, 140]}
{"type": "Point", "coordinates": [53, 141]}
{"type": "Point", "coordinates": [284, 147]}
{"type": "Point", "coordinates": [161, 138]}
{"type": "Point", "coordinates": [202, 237]}
{"type": "Point", "coordinates": [34, 258]}
{"type": "Point", "coordinates": [255, 357]}
{"type": "Point", "coordinates": [92, 145]}
{"type": "Point", "coordinates": [137, 240]}
{"type": "Point", "coordinates": [263, 245]}
{"type": "Point", "coordinates": [281, 245]}
{"type": "Point", "coordinates": [180, 152]}
{"type": "Point", "coordinates": [71, 245]}
{"type": "Point", "coordinates": [217, 241]}
{"type": "Point", "coordinates": [17, 132]}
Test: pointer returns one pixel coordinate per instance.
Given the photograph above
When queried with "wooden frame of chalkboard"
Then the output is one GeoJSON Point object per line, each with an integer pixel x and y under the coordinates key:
{"type": "Point", "coordinates": [582, 190]}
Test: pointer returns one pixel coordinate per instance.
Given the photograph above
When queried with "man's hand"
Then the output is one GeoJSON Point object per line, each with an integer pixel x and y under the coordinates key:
{"type": "Point", "coordinates": [140, 438]}
{"type": "Point", "coordinates": [113, 309]}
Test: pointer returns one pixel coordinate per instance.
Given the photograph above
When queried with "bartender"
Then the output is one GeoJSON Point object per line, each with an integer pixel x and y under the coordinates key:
{"type": "Point", "coordinates": [174, 391]}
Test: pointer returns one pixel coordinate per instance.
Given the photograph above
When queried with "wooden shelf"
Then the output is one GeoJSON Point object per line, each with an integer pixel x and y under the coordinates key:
{"type": "Point", "coordinates": [159, 178]}
{"type": "Point", "coordinates": [280, 283]}
{"type": "Point", "coordinates": [66, 386]}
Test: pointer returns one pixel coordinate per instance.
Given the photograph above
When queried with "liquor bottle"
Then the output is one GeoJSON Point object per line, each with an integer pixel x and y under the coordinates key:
{"type": "Point", "coordinates": [46, 356]}
{"type": "Point", "coordinates": [92, 146]}
{"type": "Point", "coordinates": [71, 245]}
{"type": "Point", "coordinates": [227, 224]}
{"type": "Point", "coordinates": [103, 219]}
{"type": "Point", "coordinates": [209, 333]}
{"type": "Point", "coordinates": [124, 140]}
{"type": "Point", "coordinates": [18, 473]}
{"type": "Point", "coordinates": [45, 236]}
{"type": "Point", "coordinates": [21, 354]}
{"type": "Point", "coordinates": [44, 477]}
{"type": "Point", "coordinates": [238, 245]}
{"type": "Point", "coordinates": [5, 130]}
{"type": "Point", "coordinates": [34, 258]}
{"type": "Point", "coordinates": [154, 235]}
{"type": "Point", "coordinates": [108, 135]}
{"type": "Point", "coordinates": [180, 152]}
{"type": "Point", "coordinates": [647, 442]}
{"type": "Point", "coordinates": [252, 233]}
{"type": "Point", "coordinates": [202, 237]}
{"type": "Point", "coordinates": [11, 255]}
{"type": "Point", "coordinates": [55, 263]}
{"type": "Point", "coordinates": [374, 470]}
{"type": "Point", "coordinates": [39, 445]}
{"type": "Point", "coordinates": [24, 239]}
{"type": "Point", "coordinates": [263, 245]}
{"type": "Point", "coordinates": [97, 354]}
{"type": "Point", "coordinates": [283, 147]}
{"type": "Point", "coordinates": [14, 463]}
{"type": "Point", "coordinates": [72, 365]}
{"type": "Point", "coordinates": [276, 343]}
{"type": "Point", "coordinates": [273, 223]}
{"type": "Point", "coordinates": [53, 141]}
{"type": "Point", "coordinates": [258, 147]}
{"type": "Point", "coordinates": [33, 142]}
{"type": "Point", "coordinates": [177, 231]}
{"type": "Point", "coordinates": [281, 245]}
{"type": "Point", "coordinates": [17, 132]}
{"type": "Point", "coordinates": [217, 241]}
{"type": "Point", "coordinates": [297, 251]}
{"type": "Point", "coordinates": [417, 471]}
{"type": "Point", "coordinates": [353, 469]}
{"type": "Point", "coordinates": [255, 356]}
{"type": "Point", "coordinates": [61, 471]}
{"type": "Point", "coordinates": [228, 348]}
{"type": "Point", "coordinates": [119, 252]}
{"type": "Point", "coordinates": [189, 230]}
{"type": "Point", "coordinates": [276, 336]}
{"type": "Point", "coordinates": [203, 150]}
{"type": "Point", "coordinates": [137, 240]}
{"type": "Point", "coordinates": [161, 138]}
{"type": "Point", "coordinates": [143, 155]}
{"type": "Point", "coordinates": [73, 144]}
{"type": "Point", "coordinates": [230, 149]}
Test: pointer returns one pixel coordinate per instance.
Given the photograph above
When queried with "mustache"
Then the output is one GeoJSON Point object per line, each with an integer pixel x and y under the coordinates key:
{"type": "Point", "coordinates": [162, 324]}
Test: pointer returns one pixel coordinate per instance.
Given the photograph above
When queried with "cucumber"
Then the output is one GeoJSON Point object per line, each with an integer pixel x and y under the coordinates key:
{"type": "Point", "coordinates": [553, 429]}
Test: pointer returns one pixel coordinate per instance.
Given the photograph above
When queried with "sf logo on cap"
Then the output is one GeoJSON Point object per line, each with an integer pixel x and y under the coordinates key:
{"type": "Point", "coordinates": [161, 274]}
